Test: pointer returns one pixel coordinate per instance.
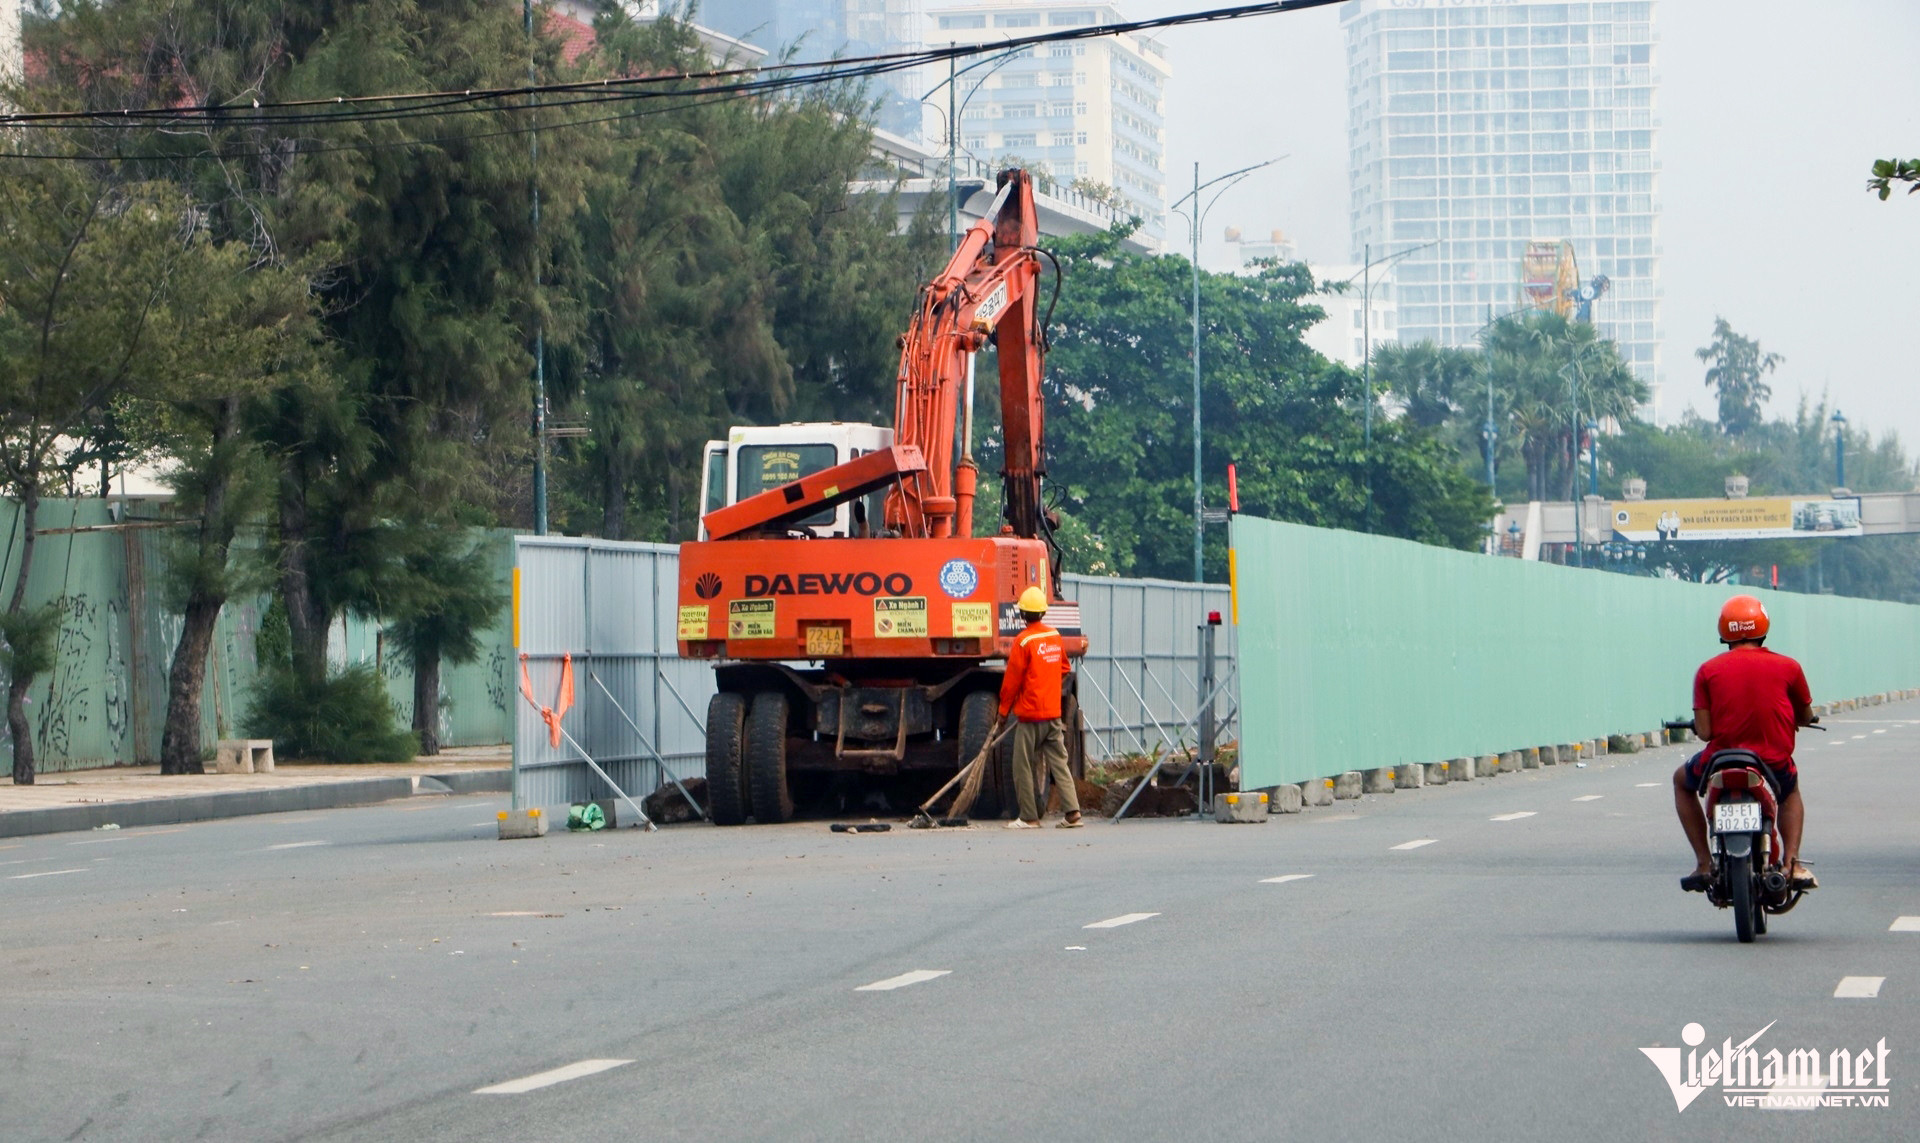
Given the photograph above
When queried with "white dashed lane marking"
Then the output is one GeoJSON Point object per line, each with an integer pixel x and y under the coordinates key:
{"type": "Point", "coordinates": [1905, 925]}
{"type": "Point", "coordinates": [1513, 817]}
{"type": "Point", "coordinates": [1859, 987]}
{"type": "Point", "coordinates": [1858, 737]}
{"type": "Point", "coordinates": [1881, 731]}
{"type": "Point", "coordinates": [547, 1079]}
{"type": "Point", "coordinates": [917, 976]}
{"type": "Point", "coordinates": [1122, 919]}
{"type": "Point", "coordinates": [48, 873]}
{"type": "Point", "coordinates": [1589, 797]}
{"type": "Point", "coordinates": [1284, 878]}
{"type": "Point", "coordinates": [1647, 785]}
{"type": "Point", "coordinates": [1416, 843]}
{"type": "Point", "coordinates": [296, 844]}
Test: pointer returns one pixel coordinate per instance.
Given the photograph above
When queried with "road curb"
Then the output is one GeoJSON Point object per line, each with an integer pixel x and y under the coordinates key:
{"type": "Point", "coordinates": [246, 803]}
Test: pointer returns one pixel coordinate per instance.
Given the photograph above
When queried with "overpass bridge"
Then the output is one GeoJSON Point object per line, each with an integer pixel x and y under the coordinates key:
{"type": "Point", "coordinates": [1523, 529]}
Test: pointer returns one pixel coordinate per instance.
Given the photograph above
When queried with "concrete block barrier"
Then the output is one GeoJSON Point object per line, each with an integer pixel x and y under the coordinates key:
{"type": "Point", "coordinates": [1285, 800]}
{"type": "Point", "coordinates": [1348, 786]}
{"type": "Point", "coordinates": [1246, 806]}
{"type": "Point", "coordinates": [1623, 744]}
{"type": "Point", "coordinates": [516, 824]}
{"type": "Point", "coordinates": [1317, 792]}
{"type": "Point", "coordinates": [1485, 765]}
{"type": "Point", "coordinates": [1440, 773]}
{"type": "Point", "coordinates": [1508, 763]}
{"type": "Point", "coordinates": [1410, 776]}
{"type": "Point", "coordinates": [1377, 781]}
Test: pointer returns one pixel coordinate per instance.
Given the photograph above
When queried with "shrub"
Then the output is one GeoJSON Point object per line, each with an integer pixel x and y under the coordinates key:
{"type": "Point", "coordinates": [346, 717]}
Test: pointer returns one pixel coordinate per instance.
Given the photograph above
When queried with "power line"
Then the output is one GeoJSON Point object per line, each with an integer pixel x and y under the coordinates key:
{"type": "Point", "coordinates": [779, 77]}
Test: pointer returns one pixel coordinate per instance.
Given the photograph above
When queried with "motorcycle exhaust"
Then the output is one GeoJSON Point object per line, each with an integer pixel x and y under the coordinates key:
{"type": "Point", "coordinates": [1775, 883]}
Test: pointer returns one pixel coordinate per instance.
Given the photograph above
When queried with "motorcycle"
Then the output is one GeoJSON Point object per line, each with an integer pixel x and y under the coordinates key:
{"type": "Point", "coordinates": [1742, 804]}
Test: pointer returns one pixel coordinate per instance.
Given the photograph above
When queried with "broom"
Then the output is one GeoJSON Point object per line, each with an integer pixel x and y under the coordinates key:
{"type": "Point", "coordinates": [968, 779]}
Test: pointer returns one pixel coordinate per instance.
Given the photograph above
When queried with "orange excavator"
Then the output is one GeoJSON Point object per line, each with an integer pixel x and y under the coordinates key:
{"type": "Point", "coordinates": [856, 622]}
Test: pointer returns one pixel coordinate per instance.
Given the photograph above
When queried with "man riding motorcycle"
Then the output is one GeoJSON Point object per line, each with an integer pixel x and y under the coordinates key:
{"type": "Point", "coordinates": [1746, 698]}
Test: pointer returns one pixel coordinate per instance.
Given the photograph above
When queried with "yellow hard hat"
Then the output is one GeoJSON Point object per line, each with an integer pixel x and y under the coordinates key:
{"type": "Point", "coordinates": [1033, 601]}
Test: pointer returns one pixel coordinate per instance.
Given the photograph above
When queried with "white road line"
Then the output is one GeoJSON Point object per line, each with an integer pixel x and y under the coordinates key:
{"type": "Point", "coordinates": [48, 873]}
{"type": "Point", "coordinates": [1905, 925]}
{"type": "Point", "coordinates": [1284, 878]}
{"type": "Point", "coordinates": [1513, 817]}
{"type": "Point", "coordinates": [1882, 731]}
{"type": "Point", "coordinates": [1647, 785]}
{"type": "Point", "coordinates": [548, 1079]}
{"type": "Point", "coordinates": [297, 844]}
{"type": "Point", "coordinates": [917, 976]}
{"type": "Point", "coordinates": [1415, 843]}
{"type": "Point", "coordinates": [1589, 797]}
{"type": "Point", "coordinates": [1858, 737]}
{"type": "Point", "coordinates": [1859, 987]}
{"type": "Point", "coordinates": [1122, 919]}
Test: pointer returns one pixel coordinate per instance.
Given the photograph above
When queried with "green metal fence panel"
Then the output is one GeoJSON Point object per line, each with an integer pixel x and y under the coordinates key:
{"type": "Point", "coordinates": [105, 701]}
{"type": "Point", "coordinates": [1361, 651]}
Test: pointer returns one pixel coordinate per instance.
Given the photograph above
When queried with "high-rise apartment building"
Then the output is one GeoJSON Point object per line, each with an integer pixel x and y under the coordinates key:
{"type": "Point", "coordinates": [823, 29]}
{"type": "Point", "coordinates": [1481, 125]}
{"type": "Point", "coordinates": [1089, 109]}
{"type": "Point", "coordinates": [10, 57]}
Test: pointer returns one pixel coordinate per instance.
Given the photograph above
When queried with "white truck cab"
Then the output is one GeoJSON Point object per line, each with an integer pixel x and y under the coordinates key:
{"type": "Point", "coordinates": [753, 460]}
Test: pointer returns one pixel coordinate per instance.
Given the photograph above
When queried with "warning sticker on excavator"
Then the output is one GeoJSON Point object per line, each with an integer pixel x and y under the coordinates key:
{"type": "Point", "coordinates": [750, 619]}
{"type": "Point", "coordinates": [693, 622]}
{"type": "Point", "coordinates": [901, 617]}
{"type": "Point", "coordinates": [973, 621]}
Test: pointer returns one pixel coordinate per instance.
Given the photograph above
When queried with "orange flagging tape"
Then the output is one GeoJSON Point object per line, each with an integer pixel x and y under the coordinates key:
{"type": "Point", "coordinates": [550, 715]}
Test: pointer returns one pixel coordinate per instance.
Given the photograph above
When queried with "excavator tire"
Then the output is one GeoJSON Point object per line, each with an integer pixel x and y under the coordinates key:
{"type": "Point", "coordinates": [766, 757]}
{"type": "Point", "coordinates": [726, 780]}
{"type": "Point", "coordinates": [977, 711]}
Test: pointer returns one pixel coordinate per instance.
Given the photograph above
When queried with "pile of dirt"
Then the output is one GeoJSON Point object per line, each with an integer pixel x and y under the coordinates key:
{"type": "Point", "coordinates": [665, 805]}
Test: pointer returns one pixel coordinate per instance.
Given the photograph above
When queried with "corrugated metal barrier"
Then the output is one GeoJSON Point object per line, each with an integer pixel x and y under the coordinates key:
{"type": "Point", "coordinates": [612, 606]}
{"type": "Point", "coordinates": [1360, 652]}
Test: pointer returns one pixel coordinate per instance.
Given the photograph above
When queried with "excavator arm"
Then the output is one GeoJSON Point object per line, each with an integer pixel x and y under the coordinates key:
{"type": "Point", "coordinates": [988, 289]}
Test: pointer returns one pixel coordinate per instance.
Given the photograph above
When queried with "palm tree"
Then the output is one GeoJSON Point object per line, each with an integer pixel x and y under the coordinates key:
{"type": "Point", "coordinates": [1556, 375]}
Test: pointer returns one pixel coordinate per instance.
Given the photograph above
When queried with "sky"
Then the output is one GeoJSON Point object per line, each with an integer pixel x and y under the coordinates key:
{"type": "Point", "coordinates": [1770, 114]}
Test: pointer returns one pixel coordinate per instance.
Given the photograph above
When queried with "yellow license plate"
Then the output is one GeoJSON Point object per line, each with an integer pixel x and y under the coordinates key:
{"type": "Point", "coordinates": [823, 642]}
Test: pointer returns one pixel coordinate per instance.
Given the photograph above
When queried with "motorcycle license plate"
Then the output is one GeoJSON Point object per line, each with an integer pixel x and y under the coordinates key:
{"type": "Point", "coordinates": [1736, 817]}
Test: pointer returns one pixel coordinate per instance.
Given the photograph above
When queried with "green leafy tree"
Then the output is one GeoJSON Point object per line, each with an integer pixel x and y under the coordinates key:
{"type": "Point", "coordinates": [454, 597]}
{"type": "Point", "coordinates": [1119, 417]}
{"type": "Point", "coordinates": [1431, 383]}
{"type": "Point", "coordinates": [1887, 172]}
{"type": "Point", "coordinates": [113, 291]}
{"type": "Point", "coordinates": [1736, 372]}
{"type": "Point", "coordinates": [1555, 376]}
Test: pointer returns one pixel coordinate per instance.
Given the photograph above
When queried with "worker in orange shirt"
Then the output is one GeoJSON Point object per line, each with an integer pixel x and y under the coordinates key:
{"type": "Point", "coordinates": [1031, 693]}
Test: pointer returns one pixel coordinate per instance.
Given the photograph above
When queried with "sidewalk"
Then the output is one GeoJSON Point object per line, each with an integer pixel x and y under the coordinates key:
{"type": "Point", "coordinates": [129, 796]}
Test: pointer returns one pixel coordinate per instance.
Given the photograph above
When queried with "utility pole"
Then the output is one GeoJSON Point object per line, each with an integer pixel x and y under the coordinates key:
{"type": "Point", "coordinates": [539, 331]}
{"type": "Point", "coordinates": [1199, 497]}
{"type": "Point", "coordinates": [1839, 450]}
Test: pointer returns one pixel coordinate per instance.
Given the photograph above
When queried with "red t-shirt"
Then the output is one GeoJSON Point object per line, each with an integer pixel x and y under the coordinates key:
{"type": "Point", "coordinates": [1750, 694]}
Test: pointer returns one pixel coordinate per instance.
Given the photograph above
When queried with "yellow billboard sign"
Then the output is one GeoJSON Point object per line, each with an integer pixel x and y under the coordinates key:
{"type": "Point", "coordinates": [1758, 518]}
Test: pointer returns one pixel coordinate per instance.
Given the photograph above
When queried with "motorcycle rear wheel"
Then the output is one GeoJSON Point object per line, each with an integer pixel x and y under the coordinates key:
{"type": "Point", "coordinates": [1740, 889]}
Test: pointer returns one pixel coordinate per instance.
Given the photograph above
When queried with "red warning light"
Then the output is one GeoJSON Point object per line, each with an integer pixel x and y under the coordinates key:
{"type": "Point", "coordinates": [1213, 619]}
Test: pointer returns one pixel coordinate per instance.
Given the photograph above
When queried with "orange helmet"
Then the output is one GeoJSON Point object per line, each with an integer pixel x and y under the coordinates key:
{"type": "Point", "coordinates": [1743, 617]}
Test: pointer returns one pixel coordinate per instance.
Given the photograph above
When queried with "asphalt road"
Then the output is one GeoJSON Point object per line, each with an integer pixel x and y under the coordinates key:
{"type": "Point", "coordinates": [361, 974]}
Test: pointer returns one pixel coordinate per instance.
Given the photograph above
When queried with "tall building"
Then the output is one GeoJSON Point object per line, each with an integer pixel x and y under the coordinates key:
{"type": "Point", "coordinates": [1482, 125]}
{"type": "Point", "coordinates": [1090, 109]}
{"type": "Point", "coordinates": [823, 29]}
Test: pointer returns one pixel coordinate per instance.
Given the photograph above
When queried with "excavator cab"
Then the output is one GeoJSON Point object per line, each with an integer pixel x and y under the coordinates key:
{"type": "Point", "coordinates": [754, 459]}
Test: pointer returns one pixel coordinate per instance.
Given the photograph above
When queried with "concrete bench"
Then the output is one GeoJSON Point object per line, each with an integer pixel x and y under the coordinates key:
{"type": "Point", "coordinates": [243, 756]}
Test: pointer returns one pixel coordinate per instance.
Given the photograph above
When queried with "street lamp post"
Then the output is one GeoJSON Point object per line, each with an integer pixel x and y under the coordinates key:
{"type": "Point", "coordinates": [539, 330]}
{"type": "Point", "coordinates": [1839, 450]}
{"type": "Point", "coordinates": [1593, 458]}
{"type": "Point", "coordinates": [955, 109]}
{"type": "Point", "coordinates": [1196, 217]}
{"type": "Point", "coordinates": [1367, 263]}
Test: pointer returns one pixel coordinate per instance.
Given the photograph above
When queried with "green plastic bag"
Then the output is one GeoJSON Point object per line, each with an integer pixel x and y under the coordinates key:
{"type": "Point", "coordinates": [587, 816]}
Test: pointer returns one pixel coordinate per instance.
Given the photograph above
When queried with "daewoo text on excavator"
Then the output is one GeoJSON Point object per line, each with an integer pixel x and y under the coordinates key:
{"type": "Point", "coordinates": [856, 623]}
